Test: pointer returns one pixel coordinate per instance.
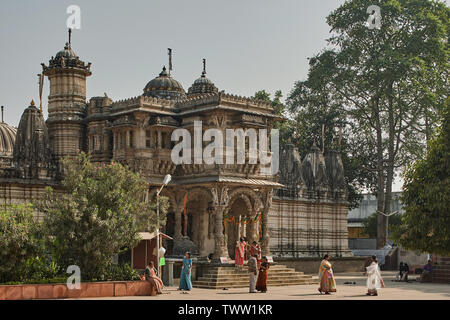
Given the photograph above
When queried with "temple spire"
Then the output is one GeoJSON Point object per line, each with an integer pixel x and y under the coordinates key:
{"type": "Point", "coordinates": [204, 67]}
{"type": "Point", "coordinates": [2, 115]}
{"type": "Point", "coordinates": [70, 36]}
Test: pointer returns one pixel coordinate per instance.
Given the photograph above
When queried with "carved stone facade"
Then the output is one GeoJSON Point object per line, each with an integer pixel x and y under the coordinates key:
{"type": "Point", "coordinates": [204, 198]}
{"type": "Point", "coordinates": [308, 217]}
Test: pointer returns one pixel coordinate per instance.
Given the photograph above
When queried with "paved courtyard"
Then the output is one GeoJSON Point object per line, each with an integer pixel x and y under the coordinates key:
{"type": "Point", "coordinates": [345, 291]}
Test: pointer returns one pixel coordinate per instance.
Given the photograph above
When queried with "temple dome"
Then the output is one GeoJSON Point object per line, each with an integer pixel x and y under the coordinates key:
{"type": "Point", "coordinates": [202, 85]}
{"type": "Point", "coordinates": [164, 86]}
{"type": "Point", "coordinates": [67, 52]}
{"type": "Point", "coordinates": [7, 139]}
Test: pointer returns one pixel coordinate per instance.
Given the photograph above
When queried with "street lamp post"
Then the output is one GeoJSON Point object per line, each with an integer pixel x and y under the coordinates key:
{"type": "Point", "coordinates": [167, 179]}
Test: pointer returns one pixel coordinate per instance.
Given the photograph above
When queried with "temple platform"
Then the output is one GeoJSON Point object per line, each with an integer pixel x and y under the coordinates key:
{"type": "Point", "coordinates": [219, 276]}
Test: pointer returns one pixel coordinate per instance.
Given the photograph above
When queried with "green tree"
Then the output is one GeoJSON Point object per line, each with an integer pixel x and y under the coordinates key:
{"type": "Point", "coordinates": [389, 83]}
{"type": "Point", "coordinates": [426, 197]}
{"type": "Point", "coordinates": [20, 242]}
{"type": "Point", "coordinates": [98, 215]}
{"type": "Point", "coordinates": [285, 125]}
{"type": "Point", "coordinates": [370, 224]}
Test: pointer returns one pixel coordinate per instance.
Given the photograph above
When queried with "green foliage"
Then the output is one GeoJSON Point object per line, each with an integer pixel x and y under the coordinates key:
{"type": "Point", "coordinates": [20, 243]}
{"type": "Point", "coordinates": [285, 125]}
{"type": "Point", "coordinates": [370, 224]}
{"type": "Point", "coordinates": [384, 86]}
{"type": "Point", "coordinates": [119, 272]}
{"type": "Point", "coordinates": [59, 279]}
{"type": "Point", "coordinates": [99, 214]}
{"type": "Point", "coordinates": [426, 197]}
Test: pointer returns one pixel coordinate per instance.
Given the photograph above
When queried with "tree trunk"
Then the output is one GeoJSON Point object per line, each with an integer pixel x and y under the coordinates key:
{"type": "Point", "coordinates": [391, 160]}
{"type": "Point", "coordinates": [381, 223]}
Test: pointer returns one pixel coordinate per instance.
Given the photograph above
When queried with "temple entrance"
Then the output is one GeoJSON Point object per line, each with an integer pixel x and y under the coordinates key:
{"type": "Point", "coordinates": [195, 224]}
{"type": "Point", "coordinates": [169, 230]}
{"type": "Point", "coordinates": [239, 211]}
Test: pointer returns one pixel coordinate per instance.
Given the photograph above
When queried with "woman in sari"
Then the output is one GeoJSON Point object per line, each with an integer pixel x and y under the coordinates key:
{"type": "Point", "coordinates": [185, 277]}
{"type": "Point", "coordinates": [327, 283]}
{"type": "Point", "coordinates": [239, 253]}
{"type": "Point", "coordinates": [374, 279]}
{"type": "Point", "coordinates": [152, 277]}
{"type": "Point", "coordinates": [261, 283]}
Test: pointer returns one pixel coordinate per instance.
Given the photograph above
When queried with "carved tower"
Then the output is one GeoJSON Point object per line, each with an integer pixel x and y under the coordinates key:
{"type": "Point", "coordinates": [66, 101]}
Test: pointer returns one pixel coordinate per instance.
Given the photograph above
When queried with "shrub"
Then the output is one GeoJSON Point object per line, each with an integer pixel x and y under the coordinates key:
{"type": "Point", "coordinates": [20, 242]}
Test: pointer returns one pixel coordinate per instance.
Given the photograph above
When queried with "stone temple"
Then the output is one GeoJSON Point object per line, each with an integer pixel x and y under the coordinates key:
{"type": "Point", "coordinates": [299, 212]}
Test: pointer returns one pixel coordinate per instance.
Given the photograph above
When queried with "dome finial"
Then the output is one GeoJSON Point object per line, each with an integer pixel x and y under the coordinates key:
{"type": "Point", "coordinates": [170, 59]}
{"type": "Point", "coordinates": [70, 36]}
{"type": "Point", "coordinates": [204, 68]}
{"type": "Point", "coordinates": [32, 103]}
{"type": "Point", "coordinates": [2, 115]}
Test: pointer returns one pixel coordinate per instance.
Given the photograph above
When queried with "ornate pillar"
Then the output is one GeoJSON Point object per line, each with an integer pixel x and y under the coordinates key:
{"type": "Point", "coordinates": [159, 140]}
{"type": "Point", "coordinates": [203, 235]}
{"type": "Point", "coordinates": [220, 201]}
{"type": "Point", "coordinates": [252, 228]}
{"type": "Point", "coordinates": [267, 196]}
{"type": "Point", "coordinates": [177, 230]}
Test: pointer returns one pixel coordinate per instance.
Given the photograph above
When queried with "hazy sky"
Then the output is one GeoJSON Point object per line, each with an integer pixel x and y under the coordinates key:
{"type": "Point", "coordinates": [249, 44]}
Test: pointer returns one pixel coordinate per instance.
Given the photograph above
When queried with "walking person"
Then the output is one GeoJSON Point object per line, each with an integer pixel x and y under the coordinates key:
{"type": "Point", "coordinates": [239, 253]}
{"type": "Point", "coordinates": [185, 276]}
{"type": "Point", "coordinates": [327, 283]}
{"type": "Point", "coordinates": [374, 279]}
{"type": "Point", "coordinates": [151, 275]}
{"type": "Point", "coordinates": [261, 284]}
{"type": "Point", "coordinates": [253, 271]}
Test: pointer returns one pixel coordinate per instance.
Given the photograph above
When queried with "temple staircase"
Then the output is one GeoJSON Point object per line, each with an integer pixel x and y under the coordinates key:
{"type": "Point", "coordinates": [441, 269]}
{"type": "Point", "coordinates": [219, 277]}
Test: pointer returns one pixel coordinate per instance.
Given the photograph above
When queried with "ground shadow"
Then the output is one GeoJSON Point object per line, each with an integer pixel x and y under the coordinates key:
{"type": "Point", "coordinates": [309, 294]}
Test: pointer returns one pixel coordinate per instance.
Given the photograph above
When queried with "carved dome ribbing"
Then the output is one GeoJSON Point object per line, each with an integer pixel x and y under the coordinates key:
{"type": "Point", "coordinates": [164, 86]}
{"type": "Point", "coordinates": [67, 52]}
{"type": "Point", "coordinates": [7, 139]}
{"type": "Point", "coordinates": [202, 85]}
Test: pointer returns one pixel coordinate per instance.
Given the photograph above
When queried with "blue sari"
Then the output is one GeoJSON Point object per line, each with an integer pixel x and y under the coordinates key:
{"type": "Point", "coordinates": [185, 277]}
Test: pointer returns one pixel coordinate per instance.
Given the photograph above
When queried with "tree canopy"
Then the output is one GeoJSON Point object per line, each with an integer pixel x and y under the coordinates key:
{"type": "Point", "coordinates": [384, 86]}
{"type": "Point", "coordinates": [426, 197]}
{"type": "Point", "coordinates": [100, 214]}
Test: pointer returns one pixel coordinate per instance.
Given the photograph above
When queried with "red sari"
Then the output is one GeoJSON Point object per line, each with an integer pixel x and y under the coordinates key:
{"type": "Point", "coordinates": [261, 284]}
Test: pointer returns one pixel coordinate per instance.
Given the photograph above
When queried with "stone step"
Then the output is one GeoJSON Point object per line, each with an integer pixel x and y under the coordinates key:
{"type": "Point", "coordinates": [246, 279]}
{"type": "Point", "coordinates": [246, 282]}
{"type": "Point", "coordinates": [212, 285]}
{"type": "Point", "coordinates": [279, 275]}
{"type": "Point", "coordinates": [231, 277]}
{"type": "Point", "coordinates": [244, 270]}
{"type": "Point", "coordinates": [246, 273]}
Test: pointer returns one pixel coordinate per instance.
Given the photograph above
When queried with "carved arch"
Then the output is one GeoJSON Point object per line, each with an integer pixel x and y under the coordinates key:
{"type": "Point", "coordinates": [251, 194]}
